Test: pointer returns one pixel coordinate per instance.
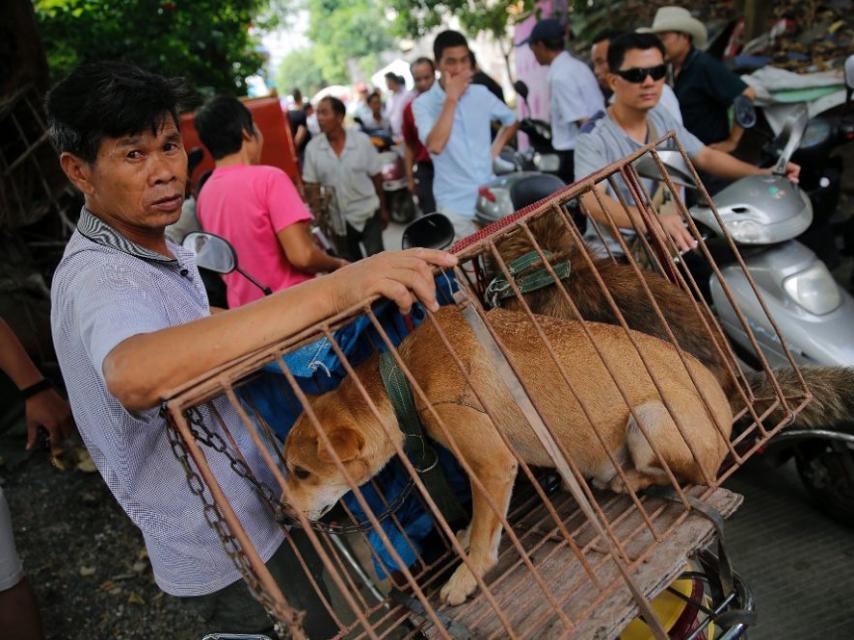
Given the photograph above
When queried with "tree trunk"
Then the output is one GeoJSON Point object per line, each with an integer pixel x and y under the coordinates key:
{"type": "Point", "coordinates": [22, 56]}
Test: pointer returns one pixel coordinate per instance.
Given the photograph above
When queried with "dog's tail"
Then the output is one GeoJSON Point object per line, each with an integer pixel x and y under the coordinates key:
{"type": "Point", "coordinates": [832, 390]}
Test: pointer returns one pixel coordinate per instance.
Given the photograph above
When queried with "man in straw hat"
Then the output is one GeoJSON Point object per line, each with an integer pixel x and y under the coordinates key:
{"type": "Point", "coordinates": [704, 86]}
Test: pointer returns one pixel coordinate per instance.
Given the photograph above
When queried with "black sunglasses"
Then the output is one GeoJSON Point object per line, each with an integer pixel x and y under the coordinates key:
{"type": "Point", "coordinates": [636, 75]}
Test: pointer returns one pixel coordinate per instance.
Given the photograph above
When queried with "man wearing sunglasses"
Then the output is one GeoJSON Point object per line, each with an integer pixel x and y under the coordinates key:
{"type": "Point", "coordinates": [635, 118]}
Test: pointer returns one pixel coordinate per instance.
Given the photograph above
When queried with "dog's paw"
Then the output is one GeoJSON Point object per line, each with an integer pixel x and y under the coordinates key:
{"type": "Point", "coordinates": [464, 538]}
{"type": "Point", "coordinates": [458, 587]}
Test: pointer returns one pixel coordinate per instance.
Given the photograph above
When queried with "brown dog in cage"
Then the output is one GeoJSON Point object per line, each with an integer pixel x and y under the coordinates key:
{"type": "Point", "coordinates": [831, 387]}
{"type": "Point", "coordinates": [692, 446]}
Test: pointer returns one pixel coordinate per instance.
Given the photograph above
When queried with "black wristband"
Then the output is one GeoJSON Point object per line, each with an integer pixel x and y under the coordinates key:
{"type": "Point", "coordinates": [42, 385]}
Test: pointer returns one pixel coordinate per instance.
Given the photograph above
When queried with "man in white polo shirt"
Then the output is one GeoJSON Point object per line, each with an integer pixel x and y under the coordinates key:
{"type": "Point", "coordinates": [346, 160]}
{"type": "Point", "coordinates": [575, 94]}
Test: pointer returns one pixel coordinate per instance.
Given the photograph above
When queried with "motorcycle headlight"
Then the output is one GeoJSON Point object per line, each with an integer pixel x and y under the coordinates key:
{"type": "Point", "coordinates": [547, 162]}
{"type": "Point", "coordinates": [814, 289]}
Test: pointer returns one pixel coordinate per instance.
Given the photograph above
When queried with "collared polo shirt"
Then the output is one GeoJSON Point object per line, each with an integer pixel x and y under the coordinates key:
{"type": "Point", "coordinates": [349, 175]}
{"type": "Point", "coordinates": [105, 290]}
{"type": "Point", "coordinates": [602, 142]}
{"type": "Point", "coordinates": [465, 163]}
{"type": "Point", "coordinates": [706, 88]}
{"type": "Point", "coordinates": [575, 95]}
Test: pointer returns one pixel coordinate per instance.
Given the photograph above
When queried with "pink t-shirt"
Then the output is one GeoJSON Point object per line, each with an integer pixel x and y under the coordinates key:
{"type": "Point", "coordinates": [248, 205]}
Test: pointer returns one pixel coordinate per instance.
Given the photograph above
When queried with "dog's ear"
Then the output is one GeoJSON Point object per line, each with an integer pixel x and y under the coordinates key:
{"type": "Point", "coordinates": [348, 444]}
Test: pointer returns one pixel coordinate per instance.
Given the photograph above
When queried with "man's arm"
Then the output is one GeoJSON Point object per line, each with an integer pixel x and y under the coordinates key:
{"type": "Point", "coordinates": [408, 163]}
{"type": "Point", "coordinates": [377, 179]}
{"type": "Point", "coordinates": [302, 251]}
{"type": "Point", "coordinates": [503, 136]}
{"type": "Point", "coordinates": [630, 218]}
{"type": "Point", "coordinates": [46, 408]}
{"type": "Point", "coordinates": [299, 138]}
{"type": "Point", "coordinates": [142, 369]}
{"type": "Point", "coordinates": [724, 165]}
{"type": "Point", "coordinates": [455, 87]}
{"type": "Point", "coordinates": [729, 145]}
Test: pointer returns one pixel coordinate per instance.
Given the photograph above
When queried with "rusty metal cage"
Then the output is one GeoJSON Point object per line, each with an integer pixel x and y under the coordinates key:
{"type": "Point", "coordinates": [526, 401]}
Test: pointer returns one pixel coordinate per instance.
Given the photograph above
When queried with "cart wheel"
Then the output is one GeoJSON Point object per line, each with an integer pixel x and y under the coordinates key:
{"type": "Point", "coordinates": [824, 468]}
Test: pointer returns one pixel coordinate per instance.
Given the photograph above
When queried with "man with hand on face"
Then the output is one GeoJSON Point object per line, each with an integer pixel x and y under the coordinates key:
{"type": "Point", "coordinates": [253, 206]}
{"type": "Point", "coordinates": [346, 160]}
{"type": "Point", "coordinates": [131, 323]}
{"type": "Point", "coordinates": [575, 95]}
{"type": "Point", "coordinates": [453, 119]}
{"type": "Point", "coordinates": [416, 158]}
{"type": "Point", "coordinates": [635, 118]}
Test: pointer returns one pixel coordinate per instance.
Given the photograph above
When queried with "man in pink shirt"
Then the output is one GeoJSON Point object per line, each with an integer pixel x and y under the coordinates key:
{"type": "Point", "coordinates": [255, 207]}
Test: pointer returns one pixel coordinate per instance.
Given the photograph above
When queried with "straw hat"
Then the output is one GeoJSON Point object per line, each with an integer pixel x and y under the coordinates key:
{"type": "Point", "coordinates": [679, 19]}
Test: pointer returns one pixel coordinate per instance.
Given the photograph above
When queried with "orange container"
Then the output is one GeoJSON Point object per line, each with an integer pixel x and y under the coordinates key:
{"type": "Point", "coordinates": [278, 149]}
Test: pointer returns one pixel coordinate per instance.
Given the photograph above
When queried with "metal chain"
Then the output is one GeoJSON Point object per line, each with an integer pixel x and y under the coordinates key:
{"type": "Point", "coordinates": [215, 520]}
{"type": "Point", "coordinates": [202, 433]}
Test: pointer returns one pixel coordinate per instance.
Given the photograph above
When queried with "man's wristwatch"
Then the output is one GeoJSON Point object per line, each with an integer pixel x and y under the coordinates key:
{"type": "Point", "coordinates": [42, 385]}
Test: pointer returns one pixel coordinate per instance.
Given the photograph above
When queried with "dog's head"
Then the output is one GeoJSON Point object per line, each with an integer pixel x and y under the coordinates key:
{"type": "Point", "coordinates": [356, 440]}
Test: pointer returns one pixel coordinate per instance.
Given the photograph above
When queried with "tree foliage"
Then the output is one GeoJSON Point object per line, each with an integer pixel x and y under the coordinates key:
{"type": "Point", "coordinates": [347, 34]}
{"type": "Point", "coordinates": [300, 69]}
{"type": "Point", "coordinates": [415, 18]}
{"type": "Point", "coordinates": [207, 41]}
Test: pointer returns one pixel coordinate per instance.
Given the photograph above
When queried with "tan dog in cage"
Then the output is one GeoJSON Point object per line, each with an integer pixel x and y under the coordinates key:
{"type": "Point", "coordinates": [315, 482]}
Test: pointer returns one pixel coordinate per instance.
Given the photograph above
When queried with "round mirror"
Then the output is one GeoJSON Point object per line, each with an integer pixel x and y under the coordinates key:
{"type": "Point", "coordinates": [433, 231]}
{"type": "Point", "coordinates": [521, 88]}
{"type": "Point", "coordinates": [212, 251]}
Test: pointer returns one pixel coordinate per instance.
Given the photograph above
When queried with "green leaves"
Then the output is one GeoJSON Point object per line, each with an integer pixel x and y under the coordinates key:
{"type": "Point", "coordinates": [207, 41]}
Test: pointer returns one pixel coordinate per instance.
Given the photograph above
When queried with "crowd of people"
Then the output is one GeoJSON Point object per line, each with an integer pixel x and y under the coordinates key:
{"type": "Point", "coordinates": [131, 319]}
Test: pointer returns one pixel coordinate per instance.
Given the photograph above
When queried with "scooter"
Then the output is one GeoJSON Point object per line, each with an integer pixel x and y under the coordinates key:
{"type": "Point", "coordinates": [763, 215]}
{"type": "Point", "coordinates": [523, 177]}
{"type": "Point", "coordinates": [401, 206]}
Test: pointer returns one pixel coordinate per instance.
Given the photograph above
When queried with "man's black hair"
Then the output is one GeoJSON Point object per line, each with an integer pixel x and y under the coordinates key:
{"type": "Point", "coordinates": [220, 124]}
{"type": "Point", "coordinates": [374, 94]}
{"type": "Point", "coordinates": [296, 94]}
{"type": "Point", "coordinates": [553, 44]}
{"type": "Point", "coordinates": [628, 41]}
{"type": "Point", "coordinates": [606, 34]}
{"type": "Point", "coordinates": [446, 40]}
{"type": "Point", "coordinates": [423, 60]}
{"type": "Point", "coordinates": [337, 106]}
{"type": "Point", "coordinates": [109, 100]}
{"type": "Point", "coordinates": [391, 75]}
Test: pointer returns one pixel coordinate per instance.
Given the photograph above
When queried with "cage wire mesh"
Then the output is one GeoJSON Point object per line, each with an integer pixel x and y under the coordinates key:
{"type": "Point", "coordinates": [533, 460]}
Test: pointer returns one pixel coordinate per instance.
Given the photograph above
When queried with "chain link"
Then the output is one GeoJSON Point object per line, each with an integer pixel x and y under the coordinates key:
{"type": "Point", "coordinates": [202, 433]}
{"type": "Point", "coordinates": [212, 514]}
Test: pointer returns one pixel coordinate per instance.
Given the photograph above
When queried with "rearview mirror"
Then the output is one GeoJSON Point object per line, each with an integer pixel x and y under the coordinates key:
{"type": "Point", "coordinates": [434, 231]}
{"type": "Point", "coordinates": [521, 88]}
{"type": "Point", "coordinates": [678, 170]}
{"type": "Point", "coordinates": [212, 252]}
{"type": "Point", "coordinates": [793, 133]}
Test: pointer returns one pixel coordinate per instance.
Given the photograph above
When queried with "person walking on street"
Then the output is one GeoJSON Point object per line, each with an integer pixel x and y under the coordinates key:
{"type": "Point", "coordinates": [400, 97]}
{"type": "Point", "coordinates": [575, 94]}
{"type": "Point", "coordinates": [416, 158]}
{"type": "Point", "coordinates": [346, 160]}
{"type": "Point", "coordinates": [453, 120]}
{"type": "Point", "coordinates": [43, 409]}
{"type": "Point", "coordinates": [255, 207]}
